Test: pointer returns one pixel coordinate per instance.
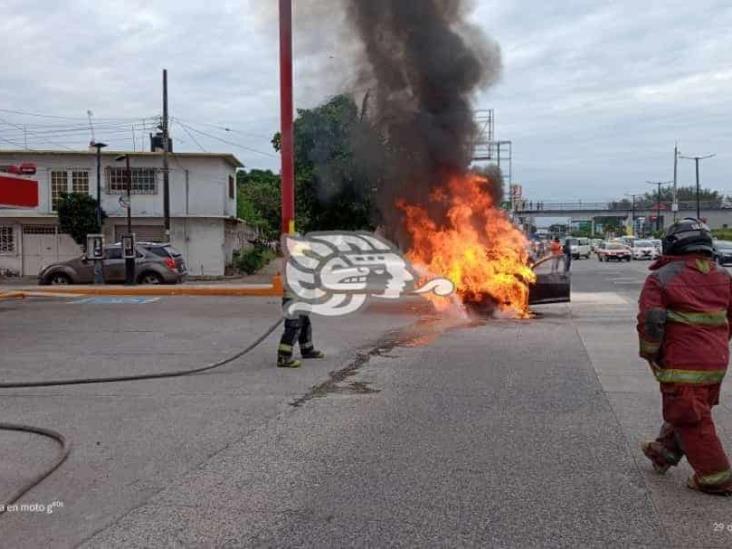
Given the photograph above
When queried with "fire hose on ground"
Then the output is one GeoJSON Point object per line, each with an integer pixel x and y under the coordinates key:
{"type": "Point", "coordinates": [65, 446]}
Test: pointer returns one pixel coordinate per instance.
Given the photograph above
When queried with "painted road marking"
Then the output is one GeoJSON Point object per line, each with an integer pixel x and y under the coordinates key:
{"type": "Point", "coordinates": [116, 301]}
{"type": "Point", "coordinates": [598, 298]}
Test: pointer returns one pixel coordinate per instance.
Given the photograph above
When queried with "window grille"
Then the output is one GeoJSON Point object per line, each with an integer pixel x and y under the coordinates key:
{"type": "Point", "coordinates": [7, 240]}
{"type": "Point", "coordinates": [59, 185]}
{"type": "Point", "coordinates": [144, 180]}
{"type": "Point", "coordinates": [80, 182]}
{"type": "Point", "coordinates": [39, 229]}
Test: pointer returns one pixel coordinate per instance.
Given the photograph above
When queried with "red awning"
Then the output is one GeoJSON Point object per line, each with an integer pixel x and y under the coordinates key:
{"type": "Point", "coordinates": [18, 192]}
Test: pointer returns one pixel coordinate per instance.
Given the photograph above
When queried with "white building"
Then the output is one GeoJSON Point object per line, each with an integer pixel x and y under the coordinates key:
{"type": "Point", "coordinates": [203, 225]}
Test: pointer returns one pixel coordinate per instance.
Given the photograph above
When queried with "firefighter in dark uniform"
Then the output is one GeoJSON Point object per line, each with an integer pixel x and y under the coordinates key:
{"type": "Point", "coordinates": [684, 330]}
{"type": "Point", "coordinates": [298, 329]}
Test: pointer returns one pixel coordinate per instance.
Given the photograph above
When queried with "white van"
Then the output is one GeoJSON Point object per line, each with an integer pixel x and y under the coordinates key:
{"type": "Point", "coordinates": [580, 248]}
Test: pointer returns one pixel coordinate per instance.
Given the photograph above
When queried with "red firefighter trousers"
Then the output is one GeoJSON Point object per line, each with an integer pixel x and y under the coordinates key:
{"type": "Point", "coordinates": [689, 430]}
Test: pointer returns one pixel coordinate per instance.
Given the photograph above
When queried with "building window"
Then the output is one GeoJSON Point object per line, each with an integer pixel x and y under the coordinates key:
{"type": "Point", "coordinates": [144, 180]}
{"type": "Point", "coordinates": [59, 185]}
{"type": "Point", "coordinates": [232, 187]}
{"type": "Point", "coordinates": [80, 182]}
{"type": "Point", "coordinates": [7, 240]}
{"type": "Point", "coordinates": [67, 181]}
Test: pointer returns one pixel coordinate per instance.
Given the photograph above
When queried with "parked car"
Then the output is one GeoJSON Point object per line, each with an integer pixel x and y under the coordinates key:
{"type": "Point", "coordinates": [580, 247]}
{"type": "Point", "coordinates": [165, 251]}
{"type": "Point", "coordinates": [594, 244]}
{"type": "Point", "coordinates": [723, 252]}
{"type": "Point", "coordinates": [613, 251]}
{"type": "Point", "coordinates": [154, 264]}
{"type": "Point", "coordinates": [644, 249]}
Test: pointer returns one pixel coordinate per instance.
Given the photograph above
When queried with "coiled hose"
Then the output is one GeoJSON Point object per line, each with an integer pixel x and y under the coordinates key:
{"type": "Point", "coordinates": [61, 440]}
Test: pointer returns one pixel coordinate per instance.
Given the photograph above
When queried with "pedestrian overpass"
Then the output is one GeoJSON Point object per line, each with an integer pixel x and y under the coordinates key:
{"type": "Point", "coordinates": [717, 215]}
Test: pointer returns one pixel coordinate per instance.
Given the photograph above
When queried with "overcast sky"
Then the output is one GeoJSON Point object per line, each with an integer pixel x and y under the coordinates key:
{"type": "Point", "coordinates": [593, 94]}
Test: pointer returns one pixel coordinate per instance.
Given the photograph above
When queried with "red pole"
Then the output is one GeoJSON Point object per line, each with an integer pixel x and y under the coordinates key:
{"type": "Point", "coordinates": [287, 117]}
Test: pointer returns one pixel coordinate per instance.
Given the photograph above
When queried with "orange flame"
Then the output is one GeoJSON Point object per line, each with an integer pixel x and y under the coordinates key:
{"type": "Point", "coordinates": [477, 246]}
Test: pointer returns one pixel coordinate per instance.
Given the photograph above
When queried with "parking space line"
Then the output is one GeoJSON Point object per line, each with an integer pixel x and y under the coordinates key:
{"type": "Point", "coordinates": [115, 301]}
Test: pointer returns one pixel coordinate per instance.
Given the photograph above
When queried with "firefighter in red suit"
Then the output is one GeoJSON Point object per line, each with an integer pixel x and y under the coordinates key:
{"type": "Point", "coordinates": [684, 330]}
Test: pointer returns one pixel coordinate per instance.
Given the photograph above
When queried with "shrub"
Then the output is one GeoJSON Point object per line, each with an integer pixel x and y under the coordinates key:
{"type": "Point", "coordinates": [722, 234]}
{"type": "Point", "coordinates": [252, 260]}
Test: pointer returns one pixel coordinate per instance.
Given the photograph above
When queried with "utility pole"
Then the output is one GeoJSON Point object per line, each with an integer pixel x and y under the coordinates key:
{"type": "Point", "coordinates": [287, 146]}
{"type": "Point", "coordinates": [696, 160]}
{"type": "Point", "coordinates": [166, 174]}
{"type": "Point", "coordinates": [632, 209]}
{"type": "Point", "coordinates": [675, 202]}
{"type": "Point", "coordinates": [658, 201]}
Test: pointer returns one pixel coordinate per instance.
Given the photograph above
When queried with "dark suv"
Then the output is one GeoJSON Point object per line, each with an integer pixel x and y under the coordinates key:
{"type": "Point", "coordinates": [154, 264]}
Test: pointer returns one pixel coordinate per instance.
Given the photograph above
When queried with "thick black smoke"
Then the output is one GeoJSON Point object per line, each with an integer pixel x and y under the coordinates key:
{"type": "Point", "coordinates": [422, 64]}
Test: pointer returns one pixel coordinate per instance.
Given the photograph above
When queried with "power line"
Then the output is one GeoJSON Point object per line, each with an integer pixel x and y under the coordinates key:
{"type": "Point", "coordinates": [32, 133]}
{"type": "Point", "coordinates": [40, 115]}
{"type": "Point", "coordinates": [190, 135]}
{"type": "Point", "coordinates": [14, 143]}
{"type": "Point", "coordinates": [239, 145]}
{"type": "Point", "coordinates": [227, 129]}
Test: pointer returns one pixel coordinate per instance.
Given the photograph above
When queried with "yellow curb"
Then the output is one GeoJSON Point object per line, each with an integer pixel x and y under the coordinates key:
{"type": "Point", "coordinates": [251, 290]}
{"type": "Point", "coordinates": [12, 295]}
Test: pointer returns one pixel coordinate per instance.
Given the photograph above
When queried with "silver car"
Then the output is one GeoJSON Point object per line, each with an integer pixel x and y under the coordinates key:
{"type": "Point", "coordinates": [154, 264]}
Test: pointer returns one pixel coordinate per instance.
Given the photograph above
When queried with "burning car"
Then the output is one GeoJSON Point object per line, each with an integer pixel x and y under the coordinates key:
{"type": "Point", "coordinates": [477, 246]}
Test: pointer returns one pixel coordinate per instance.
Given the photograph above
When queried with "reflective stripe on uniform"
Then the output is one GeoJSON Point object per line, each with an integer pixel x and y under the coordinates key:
{"type": "Point", "coordinates": [649, 348]}
{"type": "Point", "coordinates": [283, 348]}
{"type": "Point", "coordinates": [703, 265]}
{"type": "Point", "coordinates": [716, 479]}
{"type": "Point", "coordinates": [708, 318]}
{"type": "Point", "coordinates": [694, 377]}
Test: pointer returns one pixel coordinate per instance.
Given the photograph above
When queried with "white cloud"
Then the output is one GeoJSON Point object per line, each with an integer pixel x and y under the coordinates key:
{"type": "Point", "coordinates": [593, 94]}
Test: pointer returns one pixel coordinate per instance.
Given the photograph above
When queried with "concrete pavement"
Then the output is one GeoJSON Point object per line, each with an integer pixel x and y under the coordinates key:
{"type": "Point", "coordinates": [416, 431]}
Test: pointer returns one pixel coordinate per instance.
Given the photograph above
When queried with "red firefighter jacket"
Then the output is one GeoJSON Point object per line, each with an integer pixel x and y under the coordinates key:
{"type": "Point", "coordinates": [684, 320]}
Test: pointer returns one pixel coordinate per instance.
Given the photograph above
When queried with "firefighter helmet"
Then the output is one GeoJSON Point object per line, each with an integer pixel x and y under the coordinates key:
{"type": "Point", "coordinates": [688, 236]}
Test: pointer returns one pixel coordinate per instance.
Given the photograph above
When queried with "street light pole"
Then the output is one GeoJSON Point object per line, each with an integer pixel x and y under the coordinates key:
{"type": "Point", "coordinates": [99, 147]}
{"type": "Point", "coordinates": [166, 167]}
{"type": "Point", "coordinates": [696, 160]}
{"type": "Point", "coordinates": [129, 194]}
{"type": "Point", "coordinates": [98, 269]}
{"type": "Point", "coordinates": [129, 260]}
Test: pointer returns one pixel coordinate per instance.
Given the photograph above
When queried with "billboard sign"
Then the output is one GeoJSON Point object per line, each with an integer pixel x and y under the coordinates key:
{"type": "Point", "coordinates": [17, 191]}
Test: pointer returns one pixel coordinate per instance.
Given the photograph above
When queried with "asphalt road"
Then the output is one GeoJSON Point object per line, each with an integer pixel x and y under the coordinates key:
{"type": "Point", "coordinates": [416, 431]}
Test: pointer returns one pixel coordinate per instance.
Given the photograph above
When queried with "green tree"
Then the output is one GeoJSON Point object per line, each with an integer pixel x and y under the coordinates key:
{"type": "Point", "coordinates": [683, 194]}
{"type": "Point", "coordinates": [613, 225]}
{"type": "Point", "coordinates": [77, 216]}
{"type": "Point", "coordinates": [336, 167]}
{"type": "Point", "coordinates": [259, 202]}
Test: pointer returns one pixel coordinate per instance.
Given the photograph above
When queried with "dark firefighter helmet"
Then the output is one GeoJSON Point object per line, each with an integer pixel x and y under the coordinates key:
{"type": "Point", "coordinates": [688, 236]}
